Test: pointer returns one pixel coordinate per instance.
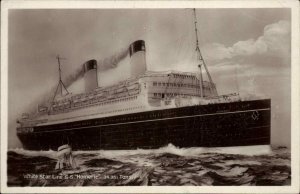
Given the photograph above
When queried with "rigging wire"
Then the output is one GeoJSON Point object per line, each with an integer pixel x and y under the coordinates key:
{"type": "Point", "coordinates": [236, 77]}
{"type": "Point", "coordinates": [202, 61]}
{"type": "Point", "coordinates": [60, 84]}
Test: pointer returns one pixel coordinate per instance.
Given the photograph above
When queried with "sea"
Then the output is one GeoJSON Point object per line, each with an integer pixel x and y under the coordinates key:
{"type": "Point", "coordinates": [166, 166]}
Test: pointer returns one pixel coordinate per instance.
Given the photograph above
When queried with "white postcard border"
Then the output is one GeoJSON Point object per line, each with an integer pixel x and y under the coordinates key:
{"type": "Point", "coordinates": [294, 5]}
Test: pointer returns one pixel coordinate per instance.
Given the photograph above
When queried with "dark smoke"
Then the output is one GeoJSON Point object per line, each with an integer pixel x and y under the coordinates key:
{"type": "Point", "coordinates": [74, 77]}
{"type": "Point", "coordinates": [44, 99]}
{"type": "Point", "coordinates": [112, 62]}
{"type": "Point", "coordinates": [47, 98]}
{"type": "Point", "coordinates": [107, 63]}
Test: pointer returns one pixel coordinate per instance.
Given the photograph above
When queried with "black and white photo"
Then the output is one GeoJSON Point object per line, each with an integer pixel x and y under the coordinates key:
{"type": "Point", "coordinates": [195, 95]}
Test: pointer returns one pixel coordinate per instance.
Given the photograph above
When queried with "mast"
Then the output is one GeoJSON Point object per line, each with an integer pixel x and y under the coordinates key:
{"type": "Point", "coordinates": [60, 85]}
{"type": "Point", "coordinates": [202, 62]}
{"type": "Point", "coordinates": [199, 56]}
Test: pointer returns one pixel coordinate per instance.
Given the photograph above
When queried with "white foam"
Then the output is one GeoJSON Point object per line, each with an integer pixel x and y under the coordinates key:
{"type": "Point", "coordinates": [194, 151]}
{"type": "Point", "coordinates": [49, 153]}
{"type": "Point", "coordinates": [243, 150]}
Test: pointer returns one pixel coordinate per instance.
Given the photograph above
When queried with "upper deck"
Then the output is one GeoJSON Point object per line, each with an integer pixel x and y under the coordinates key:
{"type": "Point", "coordinates": [145, 92]}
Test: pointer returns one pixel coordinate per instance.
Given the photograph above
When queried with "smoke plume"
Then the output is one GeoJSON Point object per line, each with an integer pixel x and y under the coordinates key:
{"type": "Point", "coordinates": [74, 77]}
{"type": "Point", "coordinates": [105, 64]}
{"type": "Point", "coordinates": [112, 62]}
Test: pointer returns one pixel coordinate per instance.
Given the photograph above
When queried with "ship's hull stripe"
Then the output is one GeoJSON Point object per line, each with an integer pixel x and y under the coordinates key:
{"type": "Point", "coordinates": [170, 118]}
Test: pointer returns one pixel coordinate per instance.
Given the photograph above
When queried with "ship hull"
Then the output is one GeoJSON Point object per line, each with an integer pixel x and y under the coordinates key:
{"type": "Point", "coordinates": [215, 125]}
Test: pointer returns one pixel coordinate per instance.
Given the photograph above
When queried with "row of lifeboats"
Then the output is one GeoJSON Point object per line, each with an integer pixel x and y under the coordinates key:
{"type": "Point", "coordinates": [102, 97]}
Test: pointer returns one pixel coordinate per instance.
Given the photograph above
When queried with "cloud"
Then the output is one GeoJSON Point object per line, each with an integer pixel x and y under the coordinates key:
{"type": "Point", "coordinates": [275, 41]}
{"type": "Point", "coordinates": [247, 64]}
{"type": "Point", "coordinates": [261, 67]}
{"type": "Point", "coordinates": [216, 52]}
{"type": "Point", "coordinates": [248, 47]}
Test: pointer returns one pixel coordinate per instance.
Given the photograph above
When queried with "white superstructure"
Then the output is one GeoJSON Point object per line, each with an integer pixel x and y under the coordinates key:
{"type": "Point", "coordinates": [144, 91]}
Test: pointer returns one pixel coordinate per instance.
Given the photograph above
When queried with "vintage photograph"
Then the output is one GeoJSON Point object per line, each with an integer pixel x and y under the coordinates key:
{"type": "Point", "coordinates": [149, 97]}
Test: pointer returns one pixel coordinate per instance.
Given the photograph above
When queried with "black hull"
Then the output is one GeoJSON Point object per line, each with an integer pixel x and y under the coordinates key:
{"type": "Point", "coordinates": [215, 125]}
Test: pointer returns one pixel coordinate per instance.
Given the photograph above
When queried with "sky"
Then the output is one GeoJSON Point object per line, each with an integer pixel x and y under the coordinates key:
{"type": "Point", "coordinates": [246, 51]}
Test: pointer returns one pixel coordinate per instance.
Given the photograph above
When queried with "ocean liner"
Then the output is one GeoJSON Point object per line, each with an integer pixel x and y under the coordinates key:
{"type": "Point", "coordinates": [148, 110]}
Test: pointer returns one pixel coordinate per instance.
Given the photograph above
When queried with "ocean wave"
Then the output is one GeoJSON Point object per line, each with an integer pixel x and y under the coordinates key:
{"type": "Point", "coordinates": [33, 153]}
{"type": "Point", "coordinates": [250, 165]}
{"type": "Point", "coordinates": [193, 151]}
